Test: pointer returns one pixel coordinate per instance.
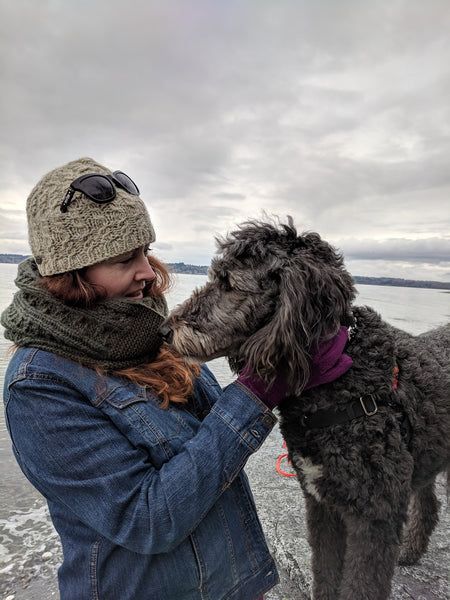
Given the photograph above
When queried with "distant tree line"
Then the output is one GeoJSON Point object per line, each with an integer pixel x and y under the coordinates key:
{"type": "Point", "coordinates": [181, 267]}
{"type": "Point", "coordinates": [12, 258]}
{"type": "Point", "coordinates": [416, 283]}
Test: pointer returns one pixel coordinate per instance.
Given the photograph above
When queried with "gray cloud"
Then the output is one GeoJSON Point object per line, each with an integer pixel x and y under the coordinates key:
{"type": "Point", "coordinates": [13, 231]}
{"type": "Point", "coordinates": [229, 196]}
{"type": "Point", "coordinates": [162, 246]}
{"type": "Point", "coordinates": [334, 112]}
{"type": "Point", "coordinates": [431, 250]}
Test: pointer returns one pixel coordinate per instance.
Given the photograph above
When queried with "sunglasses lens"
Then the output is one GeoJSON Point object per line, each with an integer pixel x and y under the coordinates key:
{"type": "Point", "coordinates": [97, 187]}
{"type": "Point", "coordinates": [126, 183]}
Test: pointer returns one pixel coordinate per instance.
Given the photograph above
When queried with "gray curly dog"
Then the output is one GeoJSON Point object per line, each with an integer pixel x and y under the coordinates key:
{"type": "Point", "coordinates": [367, 447]}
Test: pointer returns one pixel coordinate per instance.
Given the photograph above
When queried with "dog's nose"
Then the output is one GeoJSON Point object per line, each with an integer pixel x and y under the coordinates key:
{"type": "Point", "coordinates": [166, 333]}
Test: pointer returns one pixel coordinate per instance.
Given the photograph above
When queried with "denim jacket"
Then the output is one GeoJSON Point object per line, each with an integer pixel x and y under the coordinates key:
{"type": "Point", "coordinates": [150, 504]}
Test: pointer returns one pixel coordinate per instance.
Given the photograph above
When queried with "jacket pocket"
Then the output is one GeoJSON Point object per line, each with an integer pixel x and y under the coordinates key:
{"type": "Point", "coordinates": [93, 570]}
{"type": "Point", "coordinates": [199, 567]}
{"type": "Point", "coordinates": [161, 433]}
{"type": "Point", "coordinates": [7, 400]}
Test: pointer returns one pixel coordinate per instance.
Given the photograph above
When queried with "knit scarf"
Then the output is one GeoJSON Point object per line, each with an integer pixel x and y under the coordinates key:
{"type": "Point", "coordinates": [113, 334]}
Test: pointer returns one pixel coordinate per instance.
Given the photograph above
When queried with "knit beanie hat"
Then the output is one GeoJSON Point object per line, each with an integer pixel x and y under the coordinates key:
{"type": "Point", "coordinates": [88, 232]}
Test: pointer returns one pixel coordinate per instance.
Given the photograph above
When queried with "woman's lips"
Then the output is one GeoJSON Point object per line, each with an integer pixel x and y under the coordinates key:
{"type": "Point", "coordinates": [135, 295]}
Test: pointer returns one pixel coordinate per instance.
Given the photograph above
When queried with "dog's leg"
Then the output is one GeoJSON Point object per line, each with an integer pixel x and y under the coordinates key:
{"type": "Point", "coordinates": [371, 555]}
{"type": "Point", "coordinates": [327, 539]}
{"type": "Point", "coordinates": [422, 519]}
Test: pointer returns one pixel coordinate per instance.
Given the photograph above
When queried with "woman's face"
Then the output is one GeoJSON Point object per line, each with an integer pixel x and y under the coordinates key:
{"type": "Point", "coordinates": [123, 276]}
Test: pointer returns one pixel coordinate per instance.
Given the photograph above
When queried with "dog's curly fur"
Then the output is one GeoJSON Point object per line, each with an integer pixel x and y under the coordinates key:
{"type": "Point", "coordinates": [271, 296]}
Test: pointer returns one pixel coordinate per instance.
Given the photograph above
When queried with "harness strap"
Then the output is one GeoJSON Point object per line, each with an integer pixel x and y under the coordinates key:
{"type": "Point", "coordinates": [365, 406]}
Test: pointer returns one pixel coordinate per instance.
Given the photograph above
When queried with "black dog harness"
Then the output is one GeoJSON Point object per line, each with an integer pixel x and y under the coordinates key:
{"type": "Point", "coordinates": [365, 406]}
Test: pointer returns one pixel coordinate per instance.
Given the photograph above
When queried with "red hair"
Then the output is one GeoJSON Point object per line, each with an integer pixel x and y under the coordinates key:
{"type": "Point", "coordinates": [169, 375]}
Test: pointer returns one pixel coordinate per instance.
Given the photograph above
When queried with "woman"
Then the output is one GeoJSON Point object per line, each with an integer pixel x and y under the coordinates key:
{"type": "Point", "coordinates": [138, 454]}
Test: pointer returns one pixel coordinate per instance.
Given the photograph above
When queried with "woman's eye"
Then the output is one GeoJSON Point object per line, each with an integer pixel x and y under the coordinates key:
{"type": "Point", "coordinates": [126, 260]}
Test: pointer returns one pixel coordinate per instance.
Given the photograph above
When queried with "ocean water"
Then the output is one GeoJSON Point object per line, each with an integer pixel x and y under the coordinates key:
{"type": "Point", "coordinates": [29, 546]}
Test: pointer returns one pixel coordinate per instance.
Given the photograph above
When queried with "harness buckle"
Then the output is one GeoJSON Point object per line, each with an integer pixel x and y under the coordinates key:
{"type": "Point", "coordinates": [374, 408]}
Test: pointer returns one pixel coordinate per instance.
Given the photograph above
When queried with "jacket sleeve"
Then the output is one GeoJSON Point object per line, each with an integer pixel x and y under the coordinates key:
{"type": "Point", "coordinates": [74, 454]}
{"type": "Point", "coordinates": [207, 391]}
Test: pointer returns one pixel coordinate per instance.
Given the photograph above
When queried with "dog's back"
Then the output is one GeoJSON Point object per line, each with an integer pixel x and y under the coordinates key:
{"type": "Point", "coordinates": [425, 393]}
{"type": "Point", "coordinates": [438, 343]}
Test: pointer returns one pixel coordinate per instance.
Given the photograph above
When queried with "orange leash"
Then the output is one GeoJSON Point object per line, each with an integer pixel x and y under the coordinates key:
{"type": "Point", "coordinates": [279, 462]}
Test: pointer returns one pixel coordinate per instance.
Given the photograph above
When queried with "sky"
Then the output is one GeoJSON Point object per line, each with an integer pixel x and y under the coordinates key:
{"type": "Point", "coordinates": [334, 112]}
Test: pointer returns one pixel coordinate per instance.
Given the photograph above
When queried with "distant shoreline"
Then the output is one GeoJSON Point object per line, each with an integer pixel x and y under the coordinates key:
{"type": "Point", "coordinates": [181, 267]}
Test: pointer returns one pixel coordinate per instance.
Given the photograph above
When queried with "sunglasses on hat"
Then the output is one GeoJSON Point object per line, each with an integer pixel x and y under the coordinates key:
{"type": "Point", "coordinates": [99, 188]}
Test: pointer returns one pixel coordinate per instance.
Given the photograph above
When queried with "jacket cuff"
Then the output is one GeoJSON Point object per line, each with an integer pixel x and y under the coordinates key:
{"type": "Point", "coordinates": [246, 414]}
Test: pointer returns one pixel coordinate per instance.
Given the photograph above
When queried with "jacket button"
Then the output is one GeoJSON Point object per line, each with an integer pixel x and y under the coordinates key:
{"type": "Point", "coordinates": [255, 433]}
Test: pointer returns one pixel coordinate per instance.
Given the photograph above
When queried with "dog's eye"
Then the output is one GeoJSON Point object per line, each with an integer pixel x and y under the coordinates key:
{"type": "Point", "coordinates": [274, 275]}
{"type": "Point", "coordinates": [224, 280]}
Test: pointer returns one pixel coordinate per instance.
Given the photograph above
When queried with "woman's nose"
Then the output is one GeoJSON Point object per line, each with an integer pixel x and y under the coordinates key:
{"type": "Point", "coordinates": [145, 271]}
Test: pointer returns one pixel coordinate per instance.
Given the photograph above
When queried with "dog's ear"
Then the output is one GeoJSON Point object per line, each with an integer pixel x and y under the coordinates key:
{"type": "Point", "coordinates": [312, 301]}
{"type": "Point", "coordinates": [282, 343]}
